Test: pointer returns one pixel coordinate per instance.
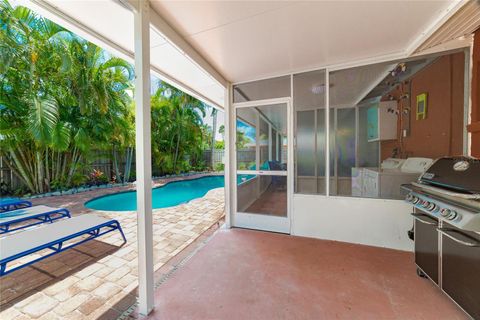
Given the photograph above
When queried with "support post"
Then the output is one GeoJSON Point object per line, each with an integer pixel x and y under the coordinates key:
{"type": "Point", "coordinates": [143, 157]}
{"type": "Point", "coordinates": [229, 170]}
{"type": "Point", "coordinates": [327, 132]}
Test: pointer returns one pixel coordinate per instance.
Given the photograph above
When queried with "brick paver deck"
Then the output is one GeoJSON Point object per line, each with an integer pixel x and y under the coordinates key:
{"type": "Point", "coordinates": [87, 281]}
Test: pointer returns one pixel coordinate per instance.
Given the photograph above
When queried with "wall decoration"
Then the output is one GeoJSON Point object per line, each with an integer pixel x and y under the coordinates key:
{"type": "Point", "coordinates": [422, 106]}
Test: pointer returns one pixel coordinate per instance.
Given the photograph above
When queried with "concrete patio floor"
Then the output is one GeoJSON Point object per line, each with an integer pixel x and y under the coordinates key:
{"type": "Point", "coordinates": [99, 277]}
{"type": "Point", "coordinates": [244, 274]}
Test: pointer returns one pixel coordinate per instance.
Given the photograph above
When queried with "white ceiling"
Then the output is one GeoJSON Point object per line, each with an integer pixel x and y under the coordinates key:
{"type": "Point", "coordinates": [114, 23]}
{"type": "Point", "coordinates": [246, 40]}
{"type": "Point", "coordinates": [249, 40]}
{"type": "Point", "coordinates": [348, 87]}
{"type": "Point", "coordinates": [276, 115]}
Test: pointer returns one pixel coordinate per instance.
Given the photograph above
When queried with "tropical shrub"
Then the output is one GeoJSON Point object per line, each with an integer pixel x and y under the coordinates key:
{"type": "Point", "coordinates": [60, 97]}
{"type": "Point", "coordinates": [79, 179]}
{"type": "Point", "coordinates": [178, 133]}
{"type": "Point", "coordinates": [63, 100]}
{"type": "Point", "coordinates": [97, 177]}
{"type": "Point", "coordinates": [219, 167]}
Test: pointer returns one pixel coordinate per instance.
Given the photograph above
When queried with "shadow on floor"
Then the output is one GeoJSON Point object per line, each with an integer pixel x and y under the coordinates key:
{"type": "Point", "coordinates": [25, 282]}
{"type": "Point", "coordinates": [127, 304]}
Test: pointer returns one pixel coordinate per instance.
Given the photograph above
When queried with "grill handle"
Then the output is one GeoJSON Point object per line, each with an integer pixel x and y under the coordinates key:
{"type": "Point", "coordinates": [466, 241]}
{"type": "Point", "coordinates": [420, 217]}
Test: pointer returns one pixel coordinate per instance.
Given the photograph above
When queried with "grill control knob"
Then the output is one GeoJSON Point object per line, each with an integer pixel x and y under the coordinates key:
{"type": "Point", "coordinates": [415, 200]}
{"type": "Point", "coordinates": [453, 214]}
{"type": "Point", "coordinates": [445, 212]}
{"type": "Point", "coordinates": [432, 207]}
{"type": "Point", "coordinates": [425, 204]}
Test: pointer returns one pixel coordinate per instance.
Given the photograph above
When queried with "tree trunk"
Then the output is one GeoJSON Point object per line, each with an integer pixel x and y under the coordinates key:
{"type": "Point", "coordinates": [128, 164]}
{"type": "Point", "coordinates": [115, 164]}
{"type": "Point", "coordinates": [40, 180]}
{"type": "Point", "coordinates": [176, 153]}
{"type": "Point", "coordinates": [214, 130]}
{"type": "Point", "coordinates": [73, 165]}
{"type": "Point", "coordinates": [58, 165]}
{"type": "Point", "coordinates": [47, 170]}
{"type": "Point", "coordinates": [23, 172]}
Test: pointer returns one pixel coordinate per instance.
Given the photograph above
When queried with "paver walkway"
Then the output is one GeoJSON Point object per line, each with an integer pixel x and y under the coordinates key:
{"type": "Point", "coordinates": [85, 282]}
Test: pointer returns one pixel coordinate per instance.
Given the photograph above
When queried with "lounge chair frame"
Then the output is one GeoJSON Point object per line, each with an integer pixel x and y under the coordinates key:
{"type": "Point", "coordinates": [44, 217]}
{"type": "Point", "coordinates": [57, 245]}
{"type": "Point", "coordinates": [14, 204]}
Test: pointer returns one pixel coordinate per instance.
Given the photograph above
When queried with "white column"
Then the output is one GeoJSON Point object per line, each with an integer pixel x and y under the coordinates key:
{"type": "Point", "coordinates": [270, 142]}
{"type": "Point", "coordinates": [229, 170]}
{"type": "Point", "coordinates": [143, 157]}
{"type": "Point", "coordinates": [327, 132]}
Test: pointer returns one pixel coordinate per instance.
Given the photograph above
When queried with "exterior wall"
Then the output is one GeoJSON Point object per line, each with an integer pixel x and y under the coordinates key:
{"type": "Point", "coordinates": [380, 222]}
{"type": "Point", "coordinates": [474, 127]}
{"type": "Point", "coordinates": [374, 222]}
{"type": "Point", "coordinates": [441, 133]}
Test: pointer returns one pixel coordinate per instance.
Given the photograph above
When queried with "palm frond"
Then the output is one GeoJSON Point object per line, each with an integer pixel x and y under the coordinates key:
{"type": "Point", "coordinates": [61, 137]}
{"type": "Point", "coordinates": [42, 118]}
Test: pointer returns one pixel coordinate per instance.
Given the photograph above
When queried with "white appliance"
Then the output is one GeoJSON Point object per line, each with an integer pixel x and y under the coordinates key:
{"type": "Point", "coordinates": [385, 182]}
{"type": "Point", "coordinates": [382, 121]}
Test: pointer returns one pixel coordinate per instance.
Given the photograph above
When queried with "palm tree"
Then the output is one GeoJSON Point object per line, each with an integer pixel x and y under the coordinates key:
{"type": "Point", "coordinates": [214, 131]}
{"type": "Point", "coordinates": [59, 96]}
{"type": "Point", "coordinates": [177, 121]}
{"type": "Point", "coordinates": [221, 130]}
{"type": "Point", "coordinates": [95, 79]}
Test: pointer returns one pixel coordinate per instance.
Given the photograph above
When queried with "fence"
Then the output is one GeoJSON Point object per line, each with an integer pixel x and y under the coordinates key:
{"type": "Point", "coordinates": [218, 157]}
{"type": "Point", "coordinates": [243, 156]}
{"type": "Point", "coordinates": [101, 160]}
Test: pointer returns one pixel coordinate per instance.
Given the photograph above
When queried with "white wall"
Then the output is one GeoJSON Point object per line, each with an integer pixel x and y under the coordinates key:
{"type": "Point", "coordinates": [375, 222]}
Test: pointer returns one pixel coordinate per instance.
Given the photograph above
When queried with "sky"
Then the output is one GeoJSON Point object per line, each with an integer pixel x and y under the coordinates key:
{"type": "Point", "coordinates": [248, 130]}
{"type": "Point", "coordinates": [220, 121]}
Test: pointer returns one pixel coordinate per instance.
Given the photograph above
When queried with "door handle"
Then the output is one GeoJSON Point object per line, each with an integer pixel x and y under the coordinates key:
{"type": "Point", "coordinates": [467, 242]}
{"type": "Point", "coordinates": [421, 218]}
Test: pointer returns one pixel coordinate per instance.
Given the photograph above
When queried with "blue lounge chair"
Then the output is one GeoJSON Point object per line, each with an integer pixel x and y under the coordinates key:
{"type": "Point", "coordinates": [53, 237]}
{"type": "Point", "coordinates": [7, 204]}
{"type": "Point", "coordinates": [39, 214]}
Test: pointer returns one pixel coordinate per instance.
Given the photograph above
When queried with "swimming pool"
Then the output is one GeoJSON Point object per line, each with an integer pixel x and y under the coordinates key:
{"type": "Point", "coordinates": [168, 195]}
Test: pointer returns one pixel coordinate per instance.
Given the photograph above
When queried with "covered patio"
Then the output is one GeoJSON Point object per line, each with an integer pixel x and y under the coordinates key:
{"type": "Point", "coordinates": [325, 103]}
{"type": "Point", "coordinates": [99, 279]}
{"type": "Point", "coordinates": [297, 278]}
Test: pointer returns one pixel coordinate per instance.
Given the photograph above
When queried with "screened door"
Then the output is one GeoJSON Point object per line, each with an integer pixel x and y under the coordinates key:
{"type": "Point", "coordinates": [263, 176]}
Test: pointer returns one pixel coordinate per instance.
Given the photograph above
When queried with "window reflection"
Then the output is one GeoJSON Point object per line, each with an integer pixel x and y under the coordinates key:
{"type": "Point", "coordinates": [377, 132]}
{"type": "Point", "coordinates": [263, 195]}
{"type": "Point", "coordinates": [380, 140]}
{"type": "Point", "coordinates": [246, 145]}
{"type": "Point", "coordinates": [261, 138]}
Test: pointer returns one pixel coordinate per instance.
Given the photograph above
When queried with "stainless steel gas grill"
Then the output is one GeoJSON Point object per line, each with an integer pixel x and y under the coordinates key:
{"type": "Point", "coordinates": [446, 202]}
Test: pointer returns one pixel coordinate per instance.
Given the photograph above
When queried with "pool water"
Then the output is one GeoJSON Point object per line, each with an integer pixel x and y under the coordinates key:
{"type": "Point", "coordinates": [169, 195]}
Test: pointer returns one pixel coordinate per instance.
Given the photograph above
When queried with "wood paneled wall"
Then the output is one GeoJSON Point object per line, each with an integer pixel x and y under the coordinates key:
{"type": "Point", "coordinates": [441, 133]}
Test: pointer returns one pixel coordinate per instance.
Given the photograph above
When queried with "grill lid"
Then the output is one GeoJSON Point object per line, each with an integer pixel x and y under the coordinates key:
{"type": "Point", "coordinates": [460, 174]}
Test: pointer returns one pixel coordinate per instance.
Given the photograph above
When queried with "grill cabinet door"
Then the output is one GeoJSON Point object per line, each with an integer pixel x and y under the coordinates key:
{"type": "Point", "coordinates": [426, 245]}
{"type": "Point", "coordinates": [461, 268]}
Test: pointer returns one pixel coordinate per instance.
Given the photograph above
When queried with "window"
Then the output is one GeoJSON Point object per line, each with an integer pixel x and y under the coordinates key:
{"type": "Point", "coordinates": [376, 129]}
{"type": "Point", "coordinates": [262, 89]}
{"type": "Point", "coordinates": [309, 107]}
